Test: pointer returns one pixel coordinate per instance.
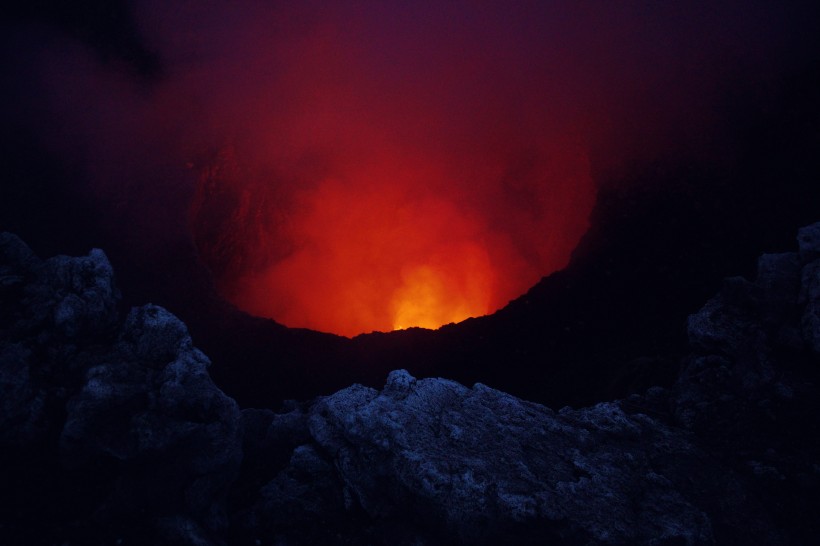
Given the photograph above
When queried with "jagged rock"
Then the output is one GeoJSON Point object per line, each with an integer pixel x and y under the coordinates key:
{"type": "Point", "coordinates": [155, 337]}
{"type": "Point", "coordinates": [808, 241]}
{"type": "Point", "coordinates": [23, 420]}
{"type": "Point", "coordinates": [304, 504]}
{"type": "Point", "coordinates": [778, 275]}
{"type": "Point", "coordinates": [749, 389]}
{"type": "Point", "coordinates": [151, 406]}
{"type": "Point", "coordinates": [47, 307]}
{"type": "Point", "coordinates": [810, 299]}
{"type": "Point", "coordinates": [17, 262]}
{"type": "Point", "coordinates": [480, 466]}
{"type": "Point", "coordinates": [180, 530]}
{"type": "Point", "coordinates": [142, 430]}
{"type": "Point", "coordinates": [270, 438]}
{"type": "Point", "coordinates": [269, 444]}
{"type": "Point", "coordinates": [113, 432]}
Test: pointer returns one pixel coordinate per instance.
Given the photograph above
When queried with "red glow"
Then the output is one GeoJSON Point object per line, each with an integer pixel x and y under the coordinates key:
{"type": "Point", "coordinates": [392, 176]}
{"type": "Point", "coordinates": [383, 164]}
{"type": "Point", "coordinates": [381, 247]}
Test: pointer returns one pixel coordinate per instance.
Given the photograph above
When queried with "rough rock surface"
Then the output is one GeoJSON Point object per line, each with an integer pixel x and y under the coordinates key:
{"type": "Point", "coordinates": [749, 390]}
{"type": "Point", "coordinates": [484, 467]}
{"type": "Point", "coordinates": [109, 428]}
{"type": "Point", "coordinates": [113, 433]}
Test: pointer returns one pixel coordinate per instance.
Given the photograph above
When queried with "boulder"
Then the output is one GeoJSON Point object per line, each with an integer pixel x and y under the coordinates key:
{"type": "Point", "coordinates": [151, 406]}
{"type": "Point", "coordinates": [433, 460]}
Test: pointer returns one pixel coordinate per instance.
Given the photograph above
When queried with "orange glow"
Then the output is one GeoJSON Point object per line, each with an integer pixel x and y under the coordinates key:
{"type": "Point", "coordinates": [432, 295]}
{"type": "Point", "coordinates": [385, 248]}
{"type": "Point", "coordinates": [423, 300]}
{"type": "Point", "coordinates": [374, 259]}
{"type": "Point", "coordinates": [375, 190]}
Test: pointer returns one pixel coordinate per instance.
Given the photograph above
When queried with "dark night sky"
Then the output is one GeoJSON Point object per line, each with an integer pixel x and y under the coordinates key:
{"type": "Point", "coordinates": [694, 125]}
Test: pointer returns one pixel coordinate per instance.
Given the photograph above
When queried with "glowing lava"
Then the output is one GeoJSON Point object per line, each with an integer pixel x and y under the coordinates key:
{"type": "Point", "coordinates": [390, 177]}
{"type": "Point", "coordinates": [385, 248]}
{"type": "Point", "coordinates": [432, 295]}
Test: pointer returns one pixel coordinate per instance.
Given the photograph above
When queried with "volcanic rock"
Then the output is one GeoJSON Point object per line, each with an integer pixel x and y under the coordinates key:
{"type": "Point", "coordinates": [749, 388]}
{"type": "Point", "coordinates": [126, 409]}
{"type": "Point", "coordinates": [113, 433]}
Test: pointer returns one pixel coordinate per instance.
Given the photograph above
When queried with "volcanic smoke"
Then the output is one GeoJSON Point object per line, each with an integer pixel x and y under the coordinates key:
{"type": "Point", "coordinates": [414, 184]}
{"type": "Point", "coordinates": [360, 166]}
{"type": "Point", "coordinates": [392, 240]}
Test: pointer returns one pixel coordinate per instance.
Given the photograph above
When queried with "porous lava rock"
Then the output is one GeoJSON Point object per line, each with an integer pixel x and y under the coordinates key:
{"type": "Point", "coordinates": [113, 433]}
{"type": "Point", "coordinates": [481, 466]}
{"type": "Point", "coordinates": [749, 388]}
{"type": "Point", "coordinates": [110, 428]}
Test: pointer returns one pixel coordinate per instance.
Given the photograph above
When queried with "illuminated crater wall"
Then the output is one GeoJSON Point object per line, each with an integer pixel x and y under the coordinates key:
{"type": "Point", "coordinates": [390, 241]}
{"type": "Point", "coordinates": [404, 171]}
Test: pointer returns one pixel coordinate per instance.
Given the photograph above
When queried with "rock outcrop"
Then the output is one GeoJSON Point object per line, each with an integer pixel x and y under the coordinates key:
{"type": "Point", "coordinates": [480, 466]}
{"type": "Point", "coordinates": [109, 428]}
{"type": "Point", "coordinates": [113, 433]}
{"type": "Point", "coordinates": [749, 389]}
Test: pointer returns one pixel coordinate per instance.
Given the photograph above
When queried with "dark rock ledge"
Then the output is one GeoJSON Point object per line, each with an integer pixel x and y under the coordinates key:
{"type": "Point", "coordinates": [112, 432]}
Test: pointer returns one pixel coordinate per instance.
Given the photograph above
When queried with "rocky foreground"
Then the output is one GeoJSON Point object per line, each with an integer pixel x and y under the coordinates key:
{"type": "Point", "coordinates": [112, 432]}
